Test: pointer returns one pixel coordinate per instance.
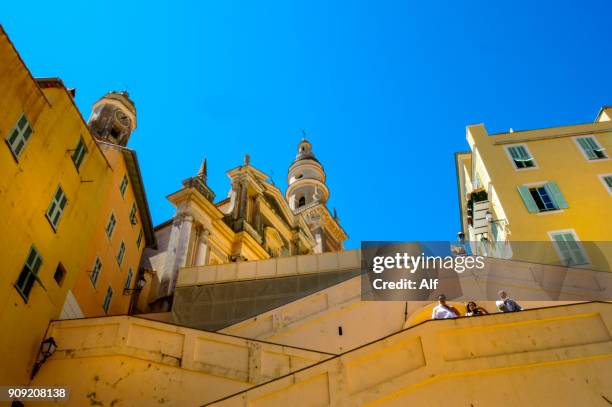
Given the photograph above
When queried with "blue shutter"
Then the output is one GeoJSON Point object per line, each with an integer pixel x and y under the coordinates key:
{"type": "Point", "coordinates": [555, 193]}
{"type": "Point", "coordinates": [532, 207]}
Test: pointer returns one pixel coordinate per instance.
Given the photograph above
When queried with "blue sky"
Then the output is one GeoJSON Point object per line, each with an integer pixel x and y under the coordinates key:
{"type": "Point", "coordinates": [384, 89]}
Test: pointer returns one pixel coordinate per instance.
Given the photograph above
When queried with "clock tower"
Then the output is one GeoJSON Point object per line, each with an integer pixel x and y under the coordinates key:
{"type": "Point", "coordinates": [113, 118]}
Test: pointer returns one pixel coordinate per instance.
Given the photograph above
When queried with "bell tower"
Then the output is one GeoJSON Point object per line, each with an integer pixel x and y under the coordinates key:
{"type": "Point", "coordinates": [307, 195]}
{"type": "Point", "coordinates": [306, 180]}
{"type": "Point", "coordinates": [113, 118]}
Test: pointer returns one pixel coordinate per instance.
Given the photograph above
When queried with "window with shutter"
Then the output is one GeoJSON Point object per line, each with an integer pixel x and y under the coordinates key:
{"type": "Point", "coordinates": [107, 299]}
{"type": "Point", "coordinates": [128, 280]}
{"type": "Point", "coordinates": [78, 155]}
{"type": "Point", "coordinates": [139, 239]}
{"type": "Point", "coordinates": [591, 148]}
{"type": "Point", "coordinates": [570, 250]}
{"type": "Point", "coordinates": [95, 272]}
{"type": "Point", "coordinates": [542, 198]}
{"type": "Point", "coordinates": [521, 157]}
{"type": "Point", "coordinates": [607, 181]}
{"type": "Point", "coordinates": [29, 274]}
{"type": "Point", "coordinates": [19, 136]}
{"type": "Point", "coordinates": [110, 226]}
{"type": "Point", "coordinates": [56, 207]}
{"type": "Point", "coordinates": [124, 184]}
{"type": "Point", "coordinates": [121, 253]}
{"type": "Point", "coordinates": [133, 219]}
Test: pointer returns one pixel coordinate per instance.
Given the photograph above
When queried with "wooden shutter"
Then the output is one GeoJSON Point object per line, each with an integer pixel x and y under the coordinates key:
{"type": "Point", "coordinates": [555, 194]}
{"type": "Point", "coordinates": [531, 205]}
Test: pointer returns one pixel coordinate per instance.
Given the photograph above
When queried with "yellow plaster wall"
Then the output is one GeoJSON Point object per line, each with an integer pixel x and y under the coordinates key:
{"type": "Point", "coordinates": [112, 274]}
{"type": "Point", "coordinates": [134, 361]}
{"type": "Point", "coordinates": [558, 356]}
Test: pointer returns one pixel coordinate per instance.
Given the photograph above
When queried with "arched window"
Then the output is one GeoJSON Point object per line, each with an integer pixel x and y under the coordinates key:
{"type": "Point", "coordinates": [301, 201]}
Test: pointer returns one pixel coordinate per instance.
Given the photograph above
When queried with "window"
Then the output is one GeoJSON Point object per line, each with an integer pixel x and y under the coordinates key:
{"type": "Point", "coordinates": [128, 280]}
{"type": "Point", "coordinates": [133, 219]}
{"type": "Point", "coordinates": [607, 181]}
{"type": "Point", "coordinates": [591, 149]}
{"type": "Point", "coordinates": [124, 184]}
{"type": "Point", "coordinates": [56, 208]}
{"type": "Point", "coordinates": [29, 274]}
{"type": "Point", "coordinates": [60, 273]}
{"type": "Point", "coordinates": [301, 202]}
{"type": "Point", "coordinates": [78, 155]}
{"type": "Point", "coordinates": [139, 239]}
{"type": "Point", "coordinates": [95, 272]}
{"type": "Point", "coordinates": [19, 136]}
{"type": "Point", "coordinates": [568, 247]}
{"type": "Point", "coordinates": [110, 226]}
{"type": "Point", "coordinates": [521, 157]}
{"type": "Point", "coordinates": [107, 299]}
{"type": "Point", "coordinates": [542, 198]}
{"type": "Point", "coordinates": [121, 253]}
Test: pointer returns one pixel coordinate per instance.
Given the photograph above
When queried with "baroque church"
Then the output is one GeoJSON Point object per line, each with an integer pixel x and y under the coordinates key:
{"type": "Point", "coordinates": [254, 222]}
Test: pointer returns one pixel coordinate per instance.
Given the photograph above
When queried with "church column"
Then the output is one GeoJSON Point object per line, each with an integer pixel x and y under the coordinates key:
{"type": "Point", "coordinates": [201, 257]}
{"type": "Point", "coordinates": [186, 223]}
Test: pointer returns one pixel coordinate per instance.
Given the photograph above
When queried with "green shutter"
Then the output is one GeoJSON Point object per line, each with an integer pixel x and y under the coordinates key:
{"type": "Point", "coordinates": [532, 207]}
{"type": "Point", "coordinates": [555, 193]}
{"type": "Point", "coordinates": [514, 153]}
{"type": "Point", "coordinates": [570, 249]}
{"type": "Point", "coordinates": [585, 144]}
{"type": "Point", "coordinates": [523, 153]}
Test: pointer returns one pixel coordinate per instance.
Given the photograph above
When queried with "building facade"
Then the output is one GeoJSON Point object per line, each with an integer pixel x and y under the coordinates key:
{"type": "Point", "coordinates": [56, 177]}
{"type": "Point", "coordinates": [547, 185]}
{"type": "Point", "coordinates": [254, 222]}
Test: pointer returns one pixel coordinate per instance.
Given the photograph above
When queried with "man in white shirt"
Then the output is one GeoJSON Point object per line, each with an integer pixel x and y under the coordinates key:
{"type": "Point", "coordinates": [443, 311]}
{"type": "Point", "coordinates": [506, 304]}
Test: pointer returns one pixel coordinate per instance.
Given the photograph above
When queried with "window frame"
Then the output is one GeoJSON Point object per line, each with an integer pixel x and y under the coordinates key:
{"type": "Point", "coordinates": [32, 274]}
{"type": "Point", "coordinates": [21, 131]}
{"type": "Point", "coordinates": [57, 204]}
{"type": "Point", "coordinates": [553, 233]}
{"type": "Point", "coordinates": [584, 153]}
{"type": "Point", "coordinates": [74, 156]}
{"type": "Point", "coordinates": [513, 163]}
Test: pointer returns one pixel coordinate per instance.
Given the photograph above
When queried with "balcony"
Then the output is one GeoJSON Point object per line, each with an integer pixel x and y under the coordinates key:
{"type": "Point", "coordinates": [476, 208]}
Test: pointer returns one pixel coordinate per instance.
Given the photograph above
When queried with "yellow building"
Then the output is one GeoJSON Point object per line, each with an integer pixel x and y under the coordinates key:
{"type": "Point", "coordinates": [56, 195]}
{"type": "Point", "coordinates": [552, 184]}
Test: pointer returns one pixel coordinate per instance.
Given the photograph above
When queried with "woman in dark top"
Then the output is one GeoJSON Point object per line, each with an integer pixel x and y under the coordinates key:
{"type": "Point", "coordinates": [474, 309]}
